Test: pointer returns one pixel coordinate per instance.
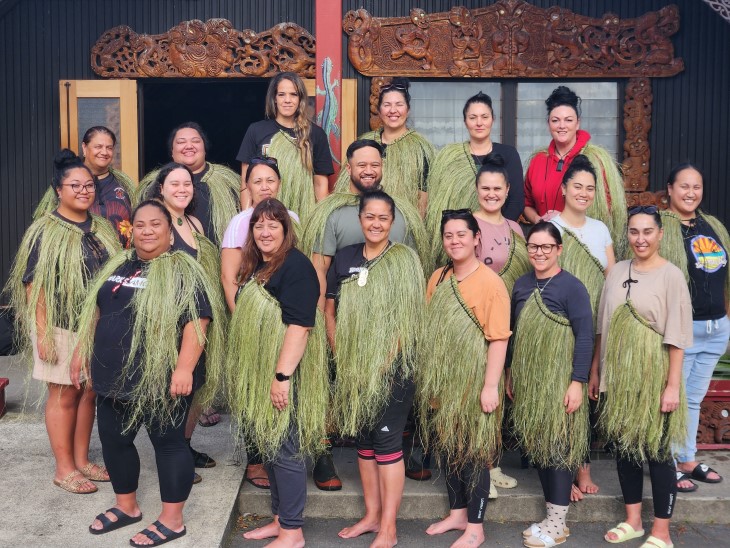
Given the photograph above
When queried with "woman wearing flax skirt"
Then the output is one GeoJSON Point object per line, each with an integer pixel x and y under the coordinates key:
{"type": "Point", "coordinates": [551, 359]}
{"type": "Point", "coordinates": [698, 244]}
{"type": "Point", "coordinates": [467, 334]}
{"type": "Point", "coordinates": [60, 253]}
{"type": "Point", "coordinates": [588, 255]}
{"type": "Point", "coordinates": [146, 321]}
{"type": "Point", "coordinates": [299, 145]}
{"type": "Point", "coordinates": [644, 323]}
{"type": "Point", "coordinates": [278, 385]}
{"type": "Point", "coordinates": [374, 307]}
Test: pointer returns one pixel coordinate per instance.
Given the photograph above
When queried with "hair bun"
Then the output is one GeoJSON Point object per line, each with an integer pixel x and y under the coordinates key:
{"type": "Point", "coordinates": [494, 159]}
{"type": "Point", "coordinates": [401, 82]}
{"type": "Point", "coordinates": [582, 161]}
{"type": "Point", "coordinates": [563, 96]}
{"type": "Point", "coordinates": [65, 158]}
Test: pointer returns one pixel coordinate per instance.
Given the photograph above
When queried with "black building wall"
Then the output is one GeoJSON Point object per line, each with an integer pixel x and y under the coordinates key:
{"type": "Point", "coordinates": [43, 41]}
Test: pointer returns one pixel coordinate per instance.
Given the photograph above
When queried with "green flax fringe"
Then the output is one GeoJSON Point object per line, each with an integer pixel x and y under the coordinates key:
{"type": "Point", "coordinates": [406, 163]}
{"type": "Point", "coordinates": [578, 260]}
{"type": "Point", "coordinates": [449, 379]}
{"type": "Point", "coordinates": [60, 276]}
{"type": "Point", "coordinates": [256, 337]}
{"type": "Point", "coordinates": [314, 226]}
{"type": "Point", "coordinates": [297, 182]}
{"type": "Point", "coordinates": [636, 369]}
{"type": "Point", "coordinates": [224, 185]}
{"type": "Point", "coordinates": [518, 262]}
{"type": "Point", "coordinates": [173, 282]}
{"type": "Point", "coordinates": [378, 327]}
{"type": "Point", "coordinates": [542, 367]}
{"type": "Point", "coordinates": [49, 202]}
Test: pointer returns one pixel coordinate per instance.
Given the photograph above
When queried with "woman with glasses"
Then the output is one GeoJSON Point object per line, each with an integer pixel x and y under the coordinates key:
{"type": "Point", "coordinates": [408, 154]}
{"type": "Point", "coordinates": [146, 321]}
{"type": "Point", "coordinates": [457, 164]}
{"type": "Point", "coordinates": [468, 329]}
{"type": "Point", "coordinates": [644, 323]}
{"type": "Point", "coordinates": [300, 146]}
{"type": "Point", "coordinates": [551, 359]}
{"type": "Point", "coordinates": [374, 306]}
{"type": "Point", "coordinates": [698, 244]}
{"type": "Point", "coordinates": [60, 253]}
{"type": "Point", "coordinates": [114, 189]}
{"type": "Point", "coordinates": [543, 190]}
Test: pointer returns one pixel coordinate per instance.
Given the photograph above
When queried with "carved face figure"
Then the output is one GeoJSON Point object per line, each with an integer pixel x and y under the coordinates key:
{"type": "Point", "coordinates": [563, 123]}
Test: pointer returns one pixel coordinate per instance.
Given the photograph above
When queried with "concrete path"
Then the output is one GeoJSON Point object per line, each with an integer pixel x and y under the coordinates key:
{"type": "Point", "coordinates": [36, 513]}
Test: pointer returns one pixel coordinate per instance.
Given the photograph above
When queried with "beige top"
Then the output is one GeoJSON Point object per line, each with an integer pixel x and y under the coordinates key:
{"type": "Point", "coordinates": [660, 296]}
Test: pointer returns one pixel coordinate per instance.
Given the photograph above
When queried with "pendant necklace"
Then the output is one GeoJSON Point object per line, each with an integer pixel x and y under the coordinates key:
{"type": "Point", "coordinates": [179, 221]}
{"type": "Point", "coordinates": [541, 289]}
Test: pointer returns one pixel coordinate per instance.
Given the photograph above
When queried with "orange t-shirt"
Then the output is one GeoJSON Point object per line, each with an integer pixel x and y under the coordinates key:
{"type": "Point", "coordinates": [485, 293]}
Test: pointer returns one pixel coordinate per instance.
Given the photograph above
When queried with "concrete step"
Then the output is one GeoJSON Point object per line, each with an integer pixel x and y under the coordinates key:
{"type": "Point", "coordinates": [525, 503]}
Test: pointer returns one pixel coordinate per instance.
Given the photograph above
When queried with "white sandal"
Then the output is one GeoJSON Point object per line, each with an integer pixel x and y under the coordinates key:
{"type": "Point", "coordinates": [534, 530]}
{"type": "Point", "coordinates": [543, 540]}
{"type": "Point", "coordinates": [502, 480]}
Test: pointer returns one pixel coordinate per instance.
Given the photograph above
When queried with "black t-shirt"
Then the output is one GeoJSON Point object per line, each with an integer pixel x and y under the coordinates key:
{"type": "Point", "coordinates": [178, 244]}
{"type": "Point", "coordinates": [202, 204]}
{"type": "Point", "coordinates": [708, 270]}
{"type": "Point", "coordinates": [258, 138]}
{"type": "Point", "coordinates": [113, 336]}
{"type": "Point", "coordinates": [514, 205]}
{"type": "Point", "coordinates": [296, 286]}
{"type": "Point", "coordinates": [112, 202]}
{"type": "Point", "coordinates": [347, 261]}
{"type": "Point", "coordinates": [565, 295]}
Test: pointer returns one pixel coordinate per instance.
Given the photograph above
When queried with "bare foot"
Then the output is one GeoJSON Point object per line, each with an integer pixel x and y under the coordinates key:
{"type": "Point", "coordinates": [472, 537]}
{"type": "Point", "coordinates": [288, 538]}
{"type": "Point", "coordinates": [449, 523]}
{"type": "Point", "coordinates": [144, 540]}
{"type": "Point", "coordinates": [134, 512]}
{"type": "Point", "coordinates": [365, 525]}
{"type": "Point", "coordinates": [585, 482]}
{"type": "Point", "coordinates": [575, 494]}
{"type": "Point", "coordinates": [267, 531]}
{"type": "Point", "coordinates": [386, 538]}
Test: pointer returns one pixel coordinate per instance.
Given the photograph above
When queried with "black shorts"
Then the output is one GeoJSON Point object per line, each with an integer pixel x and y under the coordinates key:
{"type": "Point", "coordinates": [384, 442]}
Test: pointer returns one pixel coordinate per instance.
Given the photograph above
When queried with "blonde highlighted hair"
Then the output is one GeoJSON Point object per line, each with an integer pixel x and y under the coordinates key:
{"type": "Point", "coordinates": [302, 125]}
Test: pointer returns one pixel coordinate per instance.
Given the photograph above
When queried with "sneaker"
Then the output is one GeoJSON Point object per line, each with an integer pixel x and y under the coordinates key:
{"type": "Point", "coordinates": [415, 469]}
{"type": "Point", "coordinates": [325, 474]}
{"type": "Point", "coordinates": [202, 460]}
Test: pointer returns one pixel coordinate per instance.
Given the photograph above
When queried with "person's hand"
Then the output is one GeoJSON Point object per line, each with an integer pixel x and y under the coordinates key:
{"type": "Point", "coordinates": [508, 383]}
{"type": "Point", "coordinates": [181, 383]}
{"type": "Point", "coordinates": [77, 366]}
{"type": "Point", "coordinates": [670, 399]}
{"type": "Point", "coordinates": [593, 386]}
{"type": "Point", "coordinates": [44, 350]}
{"type": "Point", "coordinates": [550, 215]}
{"type": "Point", "coordinates": [280, 394]}
{"type": "Point", "coordinates": [489, 398]}
{"type": "Point", "coordinates": [573, 397]}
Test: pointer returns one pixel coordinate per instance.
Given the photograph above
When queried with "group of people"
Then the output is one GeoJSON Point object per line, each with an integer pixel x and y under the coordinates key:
{"type": "Point", "coordinates": [408, 300]}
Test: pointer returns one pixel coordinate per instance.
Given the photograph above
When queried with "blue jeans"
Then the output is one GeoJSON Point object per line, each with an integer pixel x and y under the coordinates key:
{"type": "Point", "coordinates": [709, 344]}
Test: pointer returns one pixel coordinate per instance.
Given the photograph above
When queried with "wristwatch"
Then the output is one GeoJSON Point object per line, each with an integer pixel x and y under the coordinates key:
{"type": "Point", "coordinates": [281, 377]}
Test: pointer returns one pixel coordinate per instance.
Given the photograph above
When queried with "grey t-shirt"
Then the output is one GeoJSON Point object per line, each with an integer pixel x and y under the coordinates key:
{"type": "Point", "coordinates": [343, 229]}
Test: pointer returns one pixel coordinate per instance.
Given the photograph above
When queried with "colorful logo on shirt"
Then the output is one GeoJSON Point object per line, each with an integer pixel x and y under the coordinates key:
{"type": "Point", "coordinates": [709, 255]}
{"type": "Point", "coordinates": [119, 193]}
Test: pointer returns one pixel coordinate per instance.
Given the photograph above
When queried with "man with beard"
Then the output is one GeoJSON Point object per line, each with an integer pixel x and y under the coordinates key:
{"type": "Point", "coordinates": [333, 225]}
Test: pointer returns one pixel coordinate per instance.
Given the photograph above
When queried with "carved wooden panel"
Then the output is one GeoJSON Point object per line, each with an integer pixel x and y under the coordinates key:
{"type": "Point", "coordinates": [197, 49]}
{"type": "Point", "coordinates": [513, 39]}
{"type": "Point", "coordinates": [714, 427]}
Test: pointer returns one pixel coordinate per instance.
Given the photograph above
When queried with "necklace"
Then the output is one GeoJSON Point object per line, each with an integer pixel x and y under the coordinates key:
{"type": "Point", "coordinates": [541, 289]}
{"type": "Point", "coordinates": [561, 157]}
{"type": "Point", "coordinates": [470, 273]}
{"type": "Point", "coordinates": [179, 221]}
{"type": "Point", "coordinates": [362, 277]}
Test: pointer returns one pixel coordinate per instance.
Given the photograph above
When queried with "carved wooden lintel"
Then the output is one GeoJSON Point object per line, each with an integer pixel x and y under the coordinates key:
{"type": "Point", "coordinates": [513, 39]}
{"type": "Point", "coordinates": [211, 49]}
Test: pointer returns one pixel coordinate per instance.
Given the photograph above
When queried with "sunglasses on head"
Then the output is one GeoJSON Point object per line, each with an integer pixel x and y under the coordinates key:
{"type": "Point", "coordinates": [649, 210]}
{"type": "Point", "coordinates": [388, 87]}
{"type": "Point", "coordinates": [266, 160]}
{"type": "Point", "coordinates": [449, 213]}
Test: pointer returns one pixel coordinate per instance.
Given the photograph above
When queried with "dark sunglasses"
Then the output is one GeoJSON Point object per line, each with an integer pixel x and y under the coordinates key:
{"type": "Point", "coordinates": [448, 213]}
{"type": "Point", "coordinates": [649, 210]}
{"type": "Point", "coordinates": [266, 160]}
{"type": "Point", "coordinates": [388, 87]}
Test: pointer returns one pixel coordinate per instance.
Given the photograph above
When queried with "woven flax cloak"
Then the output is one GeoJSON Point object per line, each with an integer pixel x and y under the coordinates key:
{"type": "Point", "coordinates": [297, 182]}
{"type": "Point", "coordinates": [542, 367]}
{"type": "Point", "coordinates": [580, 262]}
{"type": "Point", "coordinates": [59, 277]}
{"type": "Point", "coordinates": [255, 338]}
{"type": "Point", "coordinates": [449, 378]}
{"type": "Point", "coordinates": [406, 161]}
{"type": "Point", "coordinates": [378, 328]}
{"type": "Point", "coordinates": [224, 185]}
{"type": "Point", "coordinates": [636, 368]}
{"type": "Point", "coordinates": [174, 280]}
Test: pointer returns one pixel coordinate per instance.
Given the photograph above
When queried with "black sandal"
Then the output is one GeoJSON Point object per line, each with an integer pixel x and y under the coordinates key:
{"type": "Point", "coordinates": [108, 525]}
{"type": "Point", "coordinates": [681, 476]}
{"type": "Point", "coordinates": [157, 539]}
{"type": "Point", "coordinates": [700, 474]}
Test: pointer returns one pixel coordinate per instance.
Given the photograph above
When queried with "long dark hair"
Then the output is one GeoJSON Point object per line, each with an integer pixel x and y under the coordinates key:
{"type": "Point", "coordinates": [155, 190]}
{"type": "Point", "coordinates": [274, 210]}
{"type": "Point", "coordinates": [302, 125]}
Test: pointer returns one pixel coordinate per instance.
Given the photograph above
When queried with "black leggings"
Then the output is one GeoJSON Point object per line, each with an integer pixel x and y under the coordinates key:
{"type": "Point", "coordinates": [556, 485]}
{"type": "Point", "coordinates": [175, 466]}
{"type": "Point", "coordinates": [464, 493]}
{"type": "Point", "coordinates": [663, 484]}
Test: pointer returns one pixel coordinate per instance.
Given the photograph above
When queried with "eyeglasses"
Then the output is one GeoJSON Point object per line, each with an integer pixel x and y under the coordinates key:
{"type": "Point", "coordinates": [546, 249]}
{"type": "Point", "coordinates": [649, 210]}
{"type": "Point", "coordinates": [266, 160]}
{"type": "Point", "coordinates": [449, 213]}
{"type": "Point", "coordinates": [78, 187]}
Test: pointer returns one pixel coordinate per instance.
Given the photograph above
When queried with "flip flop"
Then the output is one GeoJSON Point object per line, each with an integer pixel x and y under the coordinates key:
{"type": "Point", "coordinates": [156, 539]}
{"type": "Point", "coordinates": [108, 525]}
{"type": "Point", "coordinates": [624, 532]}
{"type": "Point", "coordinates": [700, 474]}
{"type": "Point", "coordinates": [653, 542]}
{"type": "Point", "coordinates": [681, 476]}
{"type": "Point", "coordinates": [205, 420]}
{"type": "Point", "coordinates": [256, 478]}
